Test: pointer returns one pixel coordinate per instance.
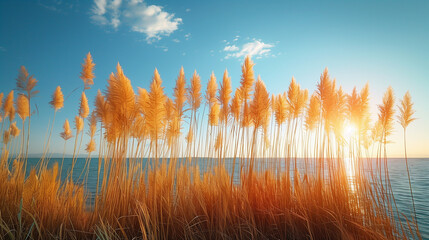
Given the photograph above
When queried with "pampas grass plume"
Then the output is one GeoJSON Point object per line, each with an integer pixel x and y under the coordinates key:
{"type": "Point", "coordinates": [57, 101]}
{"type": "Point", "coordinates": [22, 106]}
{"type": "Point", "coordinates": [406, 111]}
{"type": "Point", "coordinates": [14, 130]}
{"type": "Point", "coordinates": [87, 75]}
{"type": "Point", "coordinates": [194, 92]}
{"type": "Point", "coordinates": [67, 133]}
{"type": "Point", "coordinates": [78, 121]}
{"type": "Point", "coordinates": [211, 90]}
{"type": "Point", "coordinates": [84, 107]}
{"type": "Point", "coordinates": [8, 108]}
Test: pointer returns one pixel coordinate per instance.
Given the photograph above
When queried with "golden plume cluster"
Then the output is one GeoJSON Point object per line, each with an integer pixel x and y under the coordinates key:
{"type": "Point", "coordinates": [297, 99]}
{"type": "Point", "coordinates": [406, 111]}
{"type": "Point", "coordinates": [8, 109]}
{"type": "Point", "coordinates": [280, 108]}
{"type": "Point", "coordinates": [212, 101]}
{"type": "Point", "coordinates": [101, 108]}
{"type": "Point", "coordinates": [67, 133]}
{"type": "Point", "coordinates": [247, 79]}
{"type": "Point", "coordinates": [326, 91]}
{"type": "Point", "coordinates": [211, 90]}
{"type": "Point", "coordinates": [180, 94]}
{"type": "Point", "coordinates": [214, 114]}
{"type": "Point", "coordinates": [26, 83]}
{"type": "Point", "coordinates": [78, 121]}
{"type": "Point", "coordinates": [224, 97]}
{"type": "Point", "coordinates": [14, 130]}
{"type": "Point", "coordinates": [260, 105]}
{"type": "Point", "coordinates": [22, 107]}
{"type": "Point", "coordinates": [313, 113]}
{"type": "Point", "coordinates": [87, 75]}
{"type": "Point", "coordinates": [57, 101]}
{"type": "Point", "coordinates": [386, 113]}
{"type": "Point", "coordinates": [155, 113]}
{"type": "Point", "coordinates": [236, 105]}
{"type": "Point", "coordinates": [84, 107]}
{"type": "Point", "coordinates": [194, 92]}
{"type": "Point", "coordinates": [120, 99]}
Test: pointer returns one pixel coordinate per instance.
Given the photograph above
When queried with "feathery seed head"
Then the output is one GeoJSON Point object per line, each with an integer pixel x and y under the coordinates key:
{"type": "Point", "coordinates": [386, 112]}
{"type": "Point", "coordinates": [14, 130]}
{"type": "Point", "coordinates": [406, 111]}
{"type": "Point", "coordinates": [67, 133]}
{"type": "Point", "coordinates": [78, 121]}
{"type": "Point", "coordinates": [180, 93]}
{"type": "Point", "coordinates": [236, 104]}
{"type": "Point", "coordinates": [142, 100]}
{"type": "Point", "coordinates": [211, 90]}
{"type": "Point", "coordinates": [214, 114]}
{"type": "Point", "coordinates": [247, 78]}
{"type": "Point", "coordinates": [169, 109]}
{"type": "Point", "coordinates": [87, 75]}
{"type": "Point", "coordinates": [26, 83]}
{"type": "Point", "coordinates": [57, 99]}
{"type": "Point", "coordinates": [90, 147]}
{"type": "Point", "coordinates": [155, 111]}
{"type": "Point", "coordinates": [92, 124]}
{"type": "Point", "coordinates": [22, 106]}
{"type": "Point", "coordinates": [194, 92]}
{"type": "Point", "coordinates": [280, 107]}
{"type": "Point", "coordinates": [100, 107]}
{"type": "Point", "coordinates": [313, 113]}
{"type": "Point", "coordinates": [83, 108]}
{"type": "Point", "coordinates": [225, 96]}
{"type": "Point", "coordinates": [120, 99]}
{"type": "Point", "coordinates": [260, 105]}
{"type": "Point", "coordinates": [8, 108]}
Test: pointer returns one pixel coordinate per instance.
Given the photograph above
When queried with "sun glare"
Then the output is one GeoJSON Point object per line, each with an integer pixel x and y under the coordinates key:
{"type": "Point", "coordinates": [349, 130]}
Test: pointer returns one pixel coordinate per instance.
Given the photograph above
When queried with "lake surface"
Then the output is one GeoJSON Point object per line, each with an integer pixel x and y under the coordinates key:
{"type": "Point", "coordinates": [419, 168]}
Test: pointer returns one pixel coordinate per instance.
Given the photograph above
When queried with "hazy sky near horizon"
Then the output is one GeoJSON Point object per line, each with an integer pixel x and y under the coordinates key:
{"type": "Point", "coordinates": [384, 43]}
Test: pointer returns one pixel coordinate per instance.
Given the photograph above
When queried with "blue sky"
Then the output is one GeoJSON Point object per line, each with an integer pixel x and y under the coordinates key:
{"type": "Point", "coordinates": [380, 42]}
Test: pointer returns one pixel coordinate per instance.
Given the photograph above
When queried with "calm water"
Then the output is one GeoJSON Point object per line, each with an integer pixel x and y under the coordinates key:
{"type": "Point", "coordinates": [419, 168]}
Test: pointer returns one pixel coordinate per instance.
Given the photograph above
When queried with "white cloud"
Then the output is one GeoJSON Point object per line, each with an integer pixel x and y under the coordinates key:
{"type": "Point", "coordinates": [99, 7]}
{"type": "Point", "coordinates": [255, 48]}
{"type": "Point", "coordinates": [188, 10]}
{"type": "Point", "coordinates": [176, 40]}
{"type": "Point", "coordinates": [151, 20]}
{"type": "Point", "coordinates": [187, 36]}
{"type": "Point", "coordinates": [231, 48]}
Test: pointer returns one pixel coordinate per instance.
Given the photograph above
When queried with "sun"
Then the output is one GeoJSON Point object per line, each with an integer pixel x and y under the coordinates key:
{"type": "Point", "coordinates": [349, 130]}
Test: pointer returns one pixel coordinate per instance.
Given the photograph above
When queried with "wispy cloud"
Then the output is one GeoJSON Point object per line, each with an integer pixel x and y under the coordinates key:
{"type": "Point", "coordinates": [187, 36]}
{"type": "Point", "coordinates": [255, 48]}
{"type": "Point", "coordinates": [150, 20]}
{"type": "Point", "coordinates": [58, 6]}
{"type": "Point", "coordinates": [231, 48]}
